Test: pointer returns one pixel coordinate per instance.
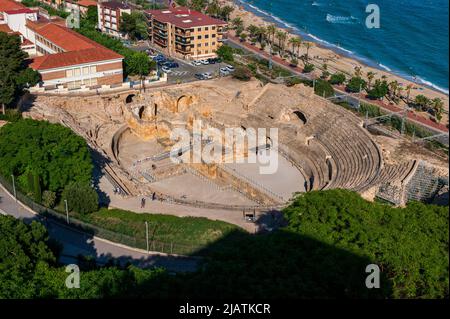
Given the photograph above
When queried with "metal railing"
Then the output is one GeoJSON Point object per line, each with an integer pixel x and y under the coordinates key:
{"type": "Point", "coordinates": [94, 230]}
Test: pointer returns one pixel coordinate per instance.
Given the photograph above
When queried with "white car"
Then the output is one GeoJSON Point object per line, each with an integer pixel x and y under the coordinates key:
{"type": "Point", "coordinates": [196, 63]}
{"type": "Point", "coordinates": [165, 69]}
{"type": "Point", "coordinates": [207, 75]}
{"type": "Point", "coordinates": [224, 71]}
{"type": "Point", "coordinates": [204, 62]}
{"type": "Point", "coordinates": [230, 68]}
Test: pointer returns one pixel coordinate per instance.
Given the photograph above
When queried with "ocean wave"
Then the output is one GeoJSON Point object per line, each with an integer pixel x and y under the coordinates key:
{"type": "Point", "coordinates": [384, 67]}
{"type": "Point", "coordinates": [341, 20]}
{"type": "Point", "coordinates": [430, 84]}
{"type": "Point", "coordinates": [273, 17]}
{"type": "Point", "coordinates": [316, 4]}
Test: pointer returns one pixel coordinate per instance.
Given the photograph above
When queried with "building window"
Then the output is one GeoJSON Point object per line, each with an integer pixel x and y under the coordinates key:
{"type": "Point", "coordinates": [214, 35]}
{"type": "Point", "coordinates": [207, 36]}
{"type": "Point", "coordinates": [199, 37]}
{"type": "Point", "coordinates": [206, 44]}
{"type": "Point", "coordinates": [93, 69]}
{"type": "Point", "coordinates": [206, 28]}
{"type": "Point", "coordinates": [199, 45]}
{"type": "Point", "coordinates": [214, 28]}
{"type": "Point", "coordinates": [199, 29]}
{"type": "Point", "coordinates": [213, 44]}
{"type": "Point", "coordinates": [85, 70]}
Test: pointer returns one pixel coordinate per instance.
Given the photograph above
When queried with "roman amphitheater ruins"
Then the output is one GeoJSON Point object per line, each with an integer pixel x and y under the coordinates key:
{"type": "Point", "coordinates": [320, 146]}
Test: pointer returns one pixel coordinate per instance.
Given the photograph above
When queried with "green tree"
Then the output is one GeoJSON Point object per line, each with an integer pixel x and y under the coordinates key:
{"type": "Point", "coordinates": [52, 151]}
{"type": "Point", "coordinates": [323, 88]}
{"type": "Point", "coordinates": [379, 90]}
{"type": "Point", "coordinates": [225, 52]}
{"type": "Point", "coordinates": [134, 25]}
{"type": "Point", "coordinates": [356, 85]}
{"type": "Point", "coordinates": [242, 73]}
{"type": "Point", "coordinates": [337, 78]}
{"type": "Point", "coordinates": [15, 76]}
{"type": "Point", "coordinates": [81, 198]}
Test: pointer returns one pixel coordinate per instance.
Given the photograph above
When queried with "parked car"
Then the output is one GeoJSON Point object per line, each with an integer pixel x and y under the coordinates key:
{"type": "Point", "coordinates": [166, 69]}
{"type": "Point", "coordinates": [230, 68]}
{"type": "Point", "coordinates": [196, 63]}
{"type": "Point", "coordinates": [207, 75]}
{"type": "Point", "coordinates": [171, 65]}
{"type": "Point", "coordinates": [224, 71]}
{"type": "Point", "coordinates": [204, 62]}
{"type": "Point", "coordinates": [199, 76]}
{"type": "Point", "coordinates": [214, 60]}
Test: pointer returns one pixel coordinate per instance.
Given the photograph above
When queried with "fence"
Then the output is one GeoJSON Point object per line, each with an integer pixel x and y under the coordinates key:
{"type": "Point", "coordinates": [81, 226]}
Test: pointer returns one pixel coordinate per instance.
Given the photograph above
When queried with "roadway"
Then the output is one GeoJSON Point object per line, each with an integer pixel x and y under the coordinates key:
{"type": "Point", "coordinates": [79, 243]}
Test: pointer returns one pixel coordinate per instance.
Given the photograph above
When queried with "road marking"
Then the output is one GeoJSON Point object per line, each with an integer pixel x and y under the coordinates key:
{"type": "Point", "coordinates": [2, 212]}
{"type": "Point", "coordinates": [179, 73]}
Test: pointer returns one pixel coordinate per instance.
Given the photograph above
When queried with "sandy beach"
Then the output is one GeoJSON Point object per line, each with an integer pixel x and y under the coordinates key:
{"type": "Point", "coordinates": [337, 62]}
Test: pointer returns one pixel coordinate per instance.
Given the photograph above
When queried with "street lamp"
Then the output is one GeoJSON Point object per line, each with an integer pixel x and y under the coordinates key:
{"type": "Point", "coordinates": [67, 211]}
{"type": "Point", "coordinates": [14, 187]}
{"type": "Point", "coordinates": [146, 234]}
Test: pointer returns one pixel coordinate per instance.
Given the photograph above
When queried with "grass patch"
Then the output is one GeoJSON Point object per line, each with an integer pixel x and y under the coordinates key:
{"type": "Point", "coordinates": [198, 232]}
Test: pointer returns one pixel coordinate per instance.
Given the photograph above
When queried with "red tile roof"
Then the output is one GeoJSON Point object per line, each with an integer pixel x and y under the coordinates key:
{"type": "Point", "coordinates": [64, 59]}
{"type": "Point", "coordinates": [79, 49]}
{"type": "Point", "coordinates": [6, 5]}
{"type": "Point", "coordinates": [19, 11]}
{"type": "Point", "coordinates": [184, 18]}
{"type": "Point", "coordinates": [87, 3]}
{"type": "Point", "coordinates": [4, 28]}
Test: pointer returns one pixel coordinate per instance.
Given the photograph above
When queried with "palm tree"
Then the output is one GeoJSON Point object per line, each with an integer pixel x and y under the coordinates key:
{"type": "Point", "coordinates": [370, 77]}
{"type": "Point", "coordinates": [438, 108]}
{"type": "Point", "coordinates": [358, 71]}
{"type": "Point", "coordinates": [408, 93]}
{"type": "Point", "coordinates": [281, 36]}
{"type": "Point", "coordinates": [261, 35]}
{"type": "Point", "coordinates": [295, 42]}
{"type": "Point", "coordinates": [237, 23]}
{"type": "Point", "coordinates": [271, 30]}
{"type": "Point", "coordinates": [393, 86]}
{"type": "Point", "coordinates": [308, 45]}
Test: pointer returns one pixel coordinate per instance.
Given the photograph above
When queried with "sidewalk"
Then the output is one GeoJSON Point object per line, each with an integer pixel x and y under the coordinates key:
{"type": "Point", "coordinates": [78, 243]}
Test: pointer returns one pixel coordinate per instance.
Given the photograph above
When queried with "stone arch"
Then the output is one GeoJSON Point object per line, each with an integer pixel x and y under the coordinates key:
{"type": "Point", "coordinates": [129, 98]}
{"type": "Point", "coordinates": [300, 116]}
{"type": "Point", "coordinates": [183, 103]}
{"type": "Point", "coordinates": [141, 111]}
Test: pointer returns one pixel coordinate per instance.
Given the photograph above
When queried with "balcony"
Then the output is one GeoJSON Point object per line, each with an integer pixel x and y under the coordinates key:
{"type": "Point", "coordinates": [160, 26]}
{"type": "Point", "coordinates": [182, 41]}
{"type": "Point", "coordinates": [182, 33]}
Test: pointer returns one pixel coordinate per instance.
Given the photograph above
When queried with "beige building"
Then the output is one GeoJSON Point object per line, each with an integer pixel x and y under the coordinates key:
{"type": "Point", "coordinates": [109, 14]}
{"type": "Point", "coordinates": [188, 33]}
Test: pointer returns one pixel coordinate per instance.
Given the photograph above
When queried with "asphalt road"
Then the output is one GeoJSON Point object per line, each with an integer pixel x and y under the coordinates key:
{"type": "Point", "coordinates": [79, 243]}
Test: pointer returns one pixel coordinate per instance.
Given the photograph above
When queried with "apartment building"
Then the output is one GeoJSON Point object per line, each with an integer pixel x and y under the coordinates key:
{"type": "Point", "coordinates": [187, 33]}
{"type": "Point", "coordinates": [109, 14]}
{"type": "Point", "coordinates": [81, 6]}
{"type": "Point", "coordinates": [62, 56]}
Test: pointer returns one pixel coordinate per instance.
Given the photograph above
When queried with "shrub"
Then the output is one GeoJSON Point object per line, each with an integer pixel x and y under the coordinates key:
{"type": "Point", "coordinates": [49, 199]}
{"type": "Point", "coordinates": [337, 78]}
{"type": "Point", "coordinates": [323, 88]}
{"type": "Point", "coordinates": [11, 116]}
{"type": "Point", "coordinates": [225, 52]}
{"type": "Point", "coordinates": [356, 84]}
{"type": "Point", "coordinates": [81, 198]}
{"type": "Point", "coordinates": [242, 73]}
{"type": "Point", "coordinates": [308, 68]}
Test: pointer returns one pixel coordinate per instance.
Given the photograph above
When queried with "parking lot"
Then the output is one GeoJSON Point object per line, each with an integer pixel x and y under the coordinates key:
{"type": "Point", "coordinates": [185, 72]}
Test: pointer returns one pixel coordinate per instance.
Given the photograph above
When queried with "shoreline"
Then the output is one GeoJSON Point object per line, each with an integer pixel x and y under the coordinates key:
{"type": "Point", "coordinates": [341, 58]}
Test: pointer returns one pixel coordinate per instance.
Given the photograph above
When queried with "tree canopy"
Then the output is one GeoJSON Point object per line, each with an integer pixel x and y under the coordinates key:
{"type": "Point", "coordinates": [14, 72]}
{"type": "Point", "coordinates": [330, 238]}
{"type": "Point", "coordinates": [50, 151]}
